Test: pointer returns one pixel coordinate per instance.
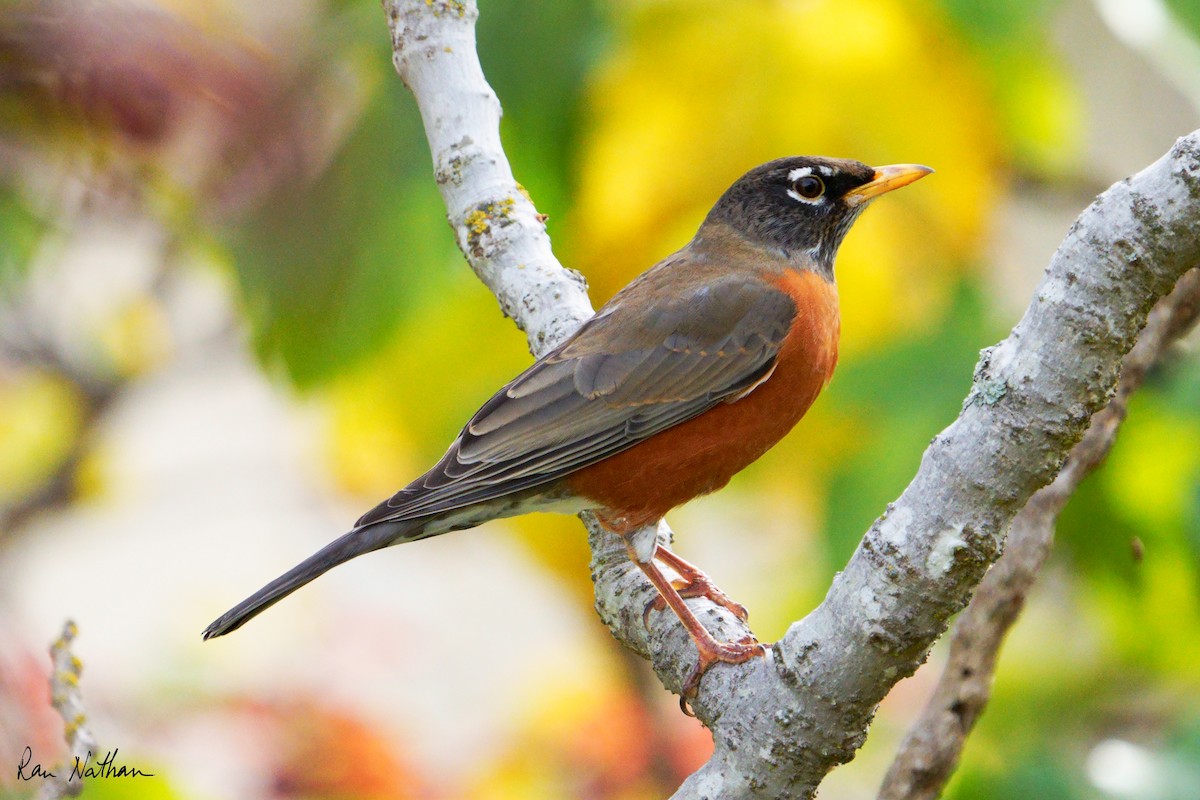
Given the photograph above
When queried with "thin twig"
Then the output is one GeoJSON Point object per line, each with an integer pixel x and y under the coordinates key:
{"type": "Point", "coordinates": [67, 699]}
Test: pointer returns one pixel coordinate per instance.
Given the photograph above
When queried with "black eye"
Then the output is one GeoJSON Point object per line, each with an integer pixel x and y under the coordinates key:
{"type": "Point", "coordinates": [809, 187]}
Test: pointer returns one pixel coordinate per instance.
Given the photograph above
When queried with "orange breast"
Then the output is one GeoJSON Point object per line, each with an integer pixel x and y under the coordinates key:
{"type": "Point", "coordinates": [638, 486]}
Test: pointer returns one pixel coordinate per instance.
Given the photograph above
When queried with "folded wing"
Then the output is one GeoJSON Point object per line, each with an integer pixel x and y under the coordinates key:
{"type": "Point", "coordinates": [619, 380]}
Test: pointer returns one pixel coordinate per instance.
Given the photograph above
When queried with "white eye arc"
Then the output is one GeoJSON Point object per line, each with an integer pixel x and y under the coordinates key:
{"type": "Point", "coordinates": [806, 187]}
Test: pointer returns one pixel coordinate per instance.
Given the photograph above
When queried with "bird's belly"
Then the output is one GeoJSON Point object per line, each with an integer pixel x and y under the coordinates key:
{"type": "Point", "coordinates": [639, 485]}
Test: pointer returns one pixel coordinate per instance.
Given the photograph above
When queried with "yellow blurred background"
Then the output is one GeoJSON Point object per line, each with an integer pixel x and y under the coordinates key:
{"type": "Point", "coordinates": [232, 318]}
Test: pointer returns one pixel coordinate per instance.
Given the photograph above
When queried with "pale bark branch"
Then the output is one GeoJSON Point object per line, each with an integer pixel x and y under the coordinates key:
{"type": "Point", "coordinates": [1032, 399]}
{"type": "Point", "coordinates": [494, 221]}
{"type": "Point", "coordinates": [67, 699]}
{"type": "Point", "coordinates": [781, 723]}
{"type": "Point", "coordinates": [931, 750]}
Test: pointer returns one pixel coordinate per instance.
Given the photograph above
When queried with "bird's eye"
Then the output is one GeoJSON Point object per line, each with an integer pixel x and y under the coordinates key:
{"type": "Point", "coordinates": [810, 187]}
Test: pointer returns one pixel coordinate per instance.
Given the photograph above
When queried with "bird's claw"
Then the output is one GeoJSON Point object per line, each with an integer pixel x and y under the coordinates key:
{"type": "Point", "coordinates": [737, 652]}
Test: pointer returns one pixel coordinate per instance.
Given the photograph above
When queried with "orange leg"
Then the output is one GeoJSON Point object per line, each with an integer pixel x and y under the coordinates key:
{"type": "Point", "coordinates": [709, 649]}
{"type": "Point", "coordinates": [695, 584]}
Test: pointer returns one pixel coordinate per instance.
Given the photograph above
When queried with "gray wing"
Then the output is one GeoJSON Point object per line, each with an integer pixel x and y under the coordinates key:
{"type": "Point", "coordinates": [623, 377]}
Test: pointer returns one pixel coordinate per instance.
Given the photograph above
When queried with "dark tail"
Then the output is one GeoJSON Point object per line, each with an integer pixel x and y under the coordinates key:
{"type": "Point", "coordinates": [355, 543]}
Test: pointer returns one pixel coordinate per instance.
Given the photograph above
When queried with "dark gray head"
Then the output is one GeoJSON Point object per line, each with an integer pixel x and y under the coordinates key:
{"type": "Point", "coordinates": [804, 205]}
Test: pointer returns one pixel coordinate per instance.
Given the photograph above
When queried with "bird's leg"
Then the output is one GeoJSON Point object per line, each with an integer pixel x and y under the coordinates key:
{"type": "Point", "coordinates": [710, 651]}
{"type": "Point", "coordinates": [695, 584]}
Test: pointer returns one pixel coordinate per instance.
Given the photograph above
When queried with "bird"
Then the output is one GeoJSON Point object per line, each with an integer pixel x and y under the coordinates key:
{"type": "Point", "coordinates": [683, 378]}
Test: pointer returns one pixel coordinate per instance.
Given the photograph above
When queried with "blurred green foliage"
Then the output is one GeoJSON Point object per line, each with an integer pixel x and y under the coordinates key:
{"type": "Point", "coordinates": [1187, 12]}
{"type": "Point", "coordinates": [140, 788]}
{"type": "Point", "coordinates": [348, 254]}
{"type": "Point", "coordinates": [1010, 40]}
{"type": "Point", "coordinates": [20, 232]}
{"type": "Point", "coordinates": [327, 272]}
{"type": "Point", "coordinates": [537, 57]}
{"type": "Point", "coordinates": [327, 267]}
{"type": "Point", "coordinates": [908, 390]}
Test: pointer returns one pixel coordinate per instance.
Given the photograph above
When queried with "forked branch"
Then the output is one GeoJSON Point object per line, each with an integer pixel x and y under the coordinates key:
{"type": "Point", "coordinates": [780, 724]}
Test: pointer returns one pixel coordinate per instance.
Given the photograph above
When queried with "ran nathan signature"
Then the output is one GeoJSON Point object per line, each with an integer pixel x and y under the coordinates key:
{"type": "Point", "coordinates": [106, 767]}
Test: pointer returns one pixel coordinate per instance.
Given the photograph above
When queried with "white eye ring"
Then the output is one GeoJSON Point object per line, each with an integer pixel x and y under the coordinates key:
{"type": "Point", "coordinates": [806, 187]}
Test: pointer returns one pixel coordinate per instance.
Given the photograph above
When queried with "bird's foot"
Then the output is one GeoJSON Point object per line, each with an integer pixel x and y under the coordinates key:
{"type": "Point", "coordinates": [697, 585]}
{"type": "Point", "coordinates": [713, 652]}
{"type": "Point", "coordinates": [692, 583]}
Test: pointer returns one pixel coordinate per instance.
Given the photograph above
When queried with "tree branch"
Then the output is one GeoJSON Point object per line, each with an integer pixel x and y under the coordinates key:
{"type": "Point", "coordinates": [67, 699]}
{"type": "Point", "coordinates": [1033, 396]}
{"type": "Point", "coordinates": [781, 723]}
{"type": "Point", "coordinates": [494, 221]}
{"type": "Point", "coordinates": [930, 752]}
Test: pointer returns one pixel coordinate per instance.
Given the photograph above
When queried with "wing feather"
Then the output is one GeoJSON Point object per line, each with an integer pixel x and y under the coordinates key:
{"type": "Point", "coordinates": [618, 381]}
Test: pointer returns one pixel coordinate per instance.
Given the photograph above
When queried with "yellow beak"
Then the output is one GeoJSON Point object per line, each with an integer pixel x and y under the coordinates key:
{"type": "Point", "coordinates": [886, 178]}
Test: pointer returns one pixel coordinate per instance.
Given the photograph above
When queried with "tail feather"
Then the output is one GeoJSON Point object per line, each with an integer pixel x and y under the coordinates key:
{"type": "Point", "coordinates": [353, 544]}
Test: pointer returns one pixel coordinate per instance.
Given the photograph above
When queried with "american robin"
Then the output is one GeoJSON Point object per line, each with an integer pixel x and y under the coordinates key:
{"type": "Point", "coordinates": [683, 378]}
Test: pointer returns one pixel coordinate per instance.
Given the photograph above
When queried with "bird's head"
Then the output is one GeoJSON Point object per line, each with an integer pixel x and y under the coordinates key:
{"type": "Point", "coordinates": [804, 205]}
